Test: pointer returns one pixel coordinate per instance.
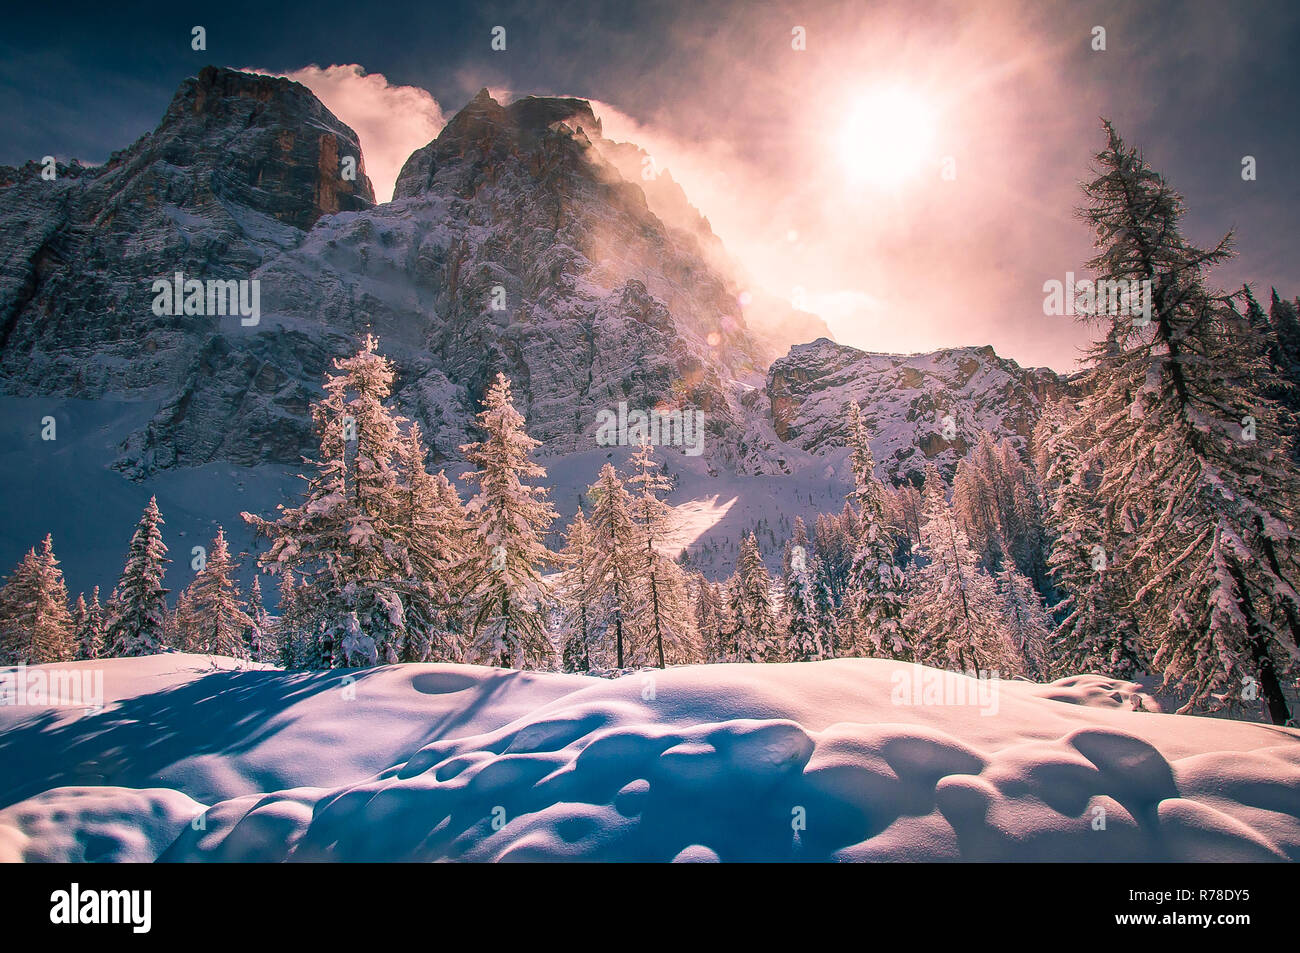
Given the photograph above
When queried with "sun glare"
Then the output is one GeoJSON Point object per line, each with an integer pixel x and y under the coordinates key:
{"type": "Point", "coordinates": [888, 138]}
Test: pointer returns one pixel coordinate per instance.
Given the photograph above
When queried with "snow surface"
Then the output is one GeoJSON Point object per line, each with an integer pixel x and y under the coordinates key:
{"type": "Point", "coordinates": [196, 758]}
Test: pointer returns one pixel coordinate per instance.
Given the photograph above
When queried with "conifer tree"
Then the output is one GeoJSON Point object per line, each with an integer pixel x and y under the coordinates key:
{"type": "Point", "coordinates": [182, 628]}
{"type": "Point", "coordinates": [508, 598]}
{"type": "Point", "coordinates": [575, 589]}
{"type": "Point", "coordinates": [709, 621]}
{"type": "Point", "coordinates": [614, 596]}
{"type": "Point", "coordinates": [954, 607]}
{"type": "Point", "coordinates": [756, 637]}
{"type": "Point", "coordinates": [288, 623]}
{"type": "Point", "coordinates": [1026, 623]}
{"type": "Point", "coordinates": [827, 620]}
{"type": "Point", "coordinates": [139, 606]}
{"type": "Point", "coordinates": [1194, 454]}
{"type": "Point", "coordinates": [359, 600]}
{"type": "Point", "coordinates": [219, 618]}
{"type": "Point", "coordinates": [803, 641]}
{"type": "Point", "coordinates": [35, 624]}
{"type": "Point", "coordinates": [669, 617]}
{"type": "Point", "coordinates": [432, 526]}
{"type": "Point", "coordinates": [1097, 630]}
{"type": "Point", "coordinates": [258, 637]}
{"type": "Point", "coordinates": [877, 589]}
{"type": "Point", "coordinates": [88, 643]}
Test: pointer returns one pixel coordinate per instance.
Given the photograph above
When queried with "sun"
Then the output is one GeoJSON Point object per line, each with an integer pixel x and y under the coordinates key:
{"type": "Point", "coordinates": [888, 137]}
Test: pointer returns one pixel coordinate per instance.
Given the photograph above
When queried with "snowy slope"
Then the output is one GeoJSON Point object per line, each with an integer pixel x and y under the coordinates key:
{"type": "Point", "coordinates": [917, 407]}
{"type": "Point", "coordinates": [820, 761]}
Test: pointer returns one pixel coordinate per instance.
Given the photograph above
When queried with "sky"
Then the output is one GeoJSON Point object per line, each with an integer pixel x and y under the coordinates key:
{"type": "Point", "coordinates": [910, 173]}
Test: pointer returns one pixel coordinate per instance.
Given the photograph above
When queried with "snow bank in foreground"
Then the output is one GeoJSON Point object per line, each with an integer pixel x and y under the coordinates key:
{"type": "Point", "coordinates": [852, 759]}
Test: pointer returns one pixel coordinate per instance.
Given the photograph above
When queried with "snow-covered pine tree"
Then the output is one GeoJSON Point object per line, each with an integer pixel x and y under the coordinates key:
{"type": "Point", "coordinates": [1097, 630]}
{"type": "Point", "coordinates": [577, 559]}
{"type": "Point", "coordinates": [1026, 622]}
{"type": "Point", "coordinates": [81, 627]}
{"type": "Point", "coordinates": [345, 541]}
{"type": "Point", "coordinates": [803, 641]}
{"type": "Point", "coordinates": [35, 624]}
{"type": "Point", "coordinates": [258, 637]}
{"type": "Point", "coordinates": [954, 608]}
{"type": "Point", "coordinates": [670, 622]}
{"type": "Point", "coordinates": [180, 629]}
{"type": "Point", "coordinates": [756, 638]}
{"type": "Point", "coordinates": [876, 595]}
{"type": "Point", "coordinates": [709, 620]}
{"type": "Point", "coordinates": [431, 524]}
{"type": "Point", "coordinates": [614, 596]}
{"type": "Point", "coordinates": [90, 637]}
{"type": "Point", "coordinates": [139, 606]}
{"type": "Point", "coordinates": [508, 599]}
{"type": "Point", "coordinates": [827, 620]}
{"type": "Point", "coordinates": [288, 624]}
{"type": "Point", "coordinates": [737, 623]}
{"type": "Point", "coordinates": [1195, 457]}
{"type": "Point", "coordinates": [219, 618]}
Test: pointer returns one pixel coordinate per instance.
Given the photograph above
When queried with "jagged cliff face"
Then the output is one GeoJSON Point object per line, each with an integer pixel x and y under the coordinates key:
{"type": "Point", "coordinates": [237, 170]}
{"type": "Point", "coordinates": [511, 245]}
{"type": "Point", "coordinates": [917, 407]}
{"type": "Point", "coordinates": [519, 240]}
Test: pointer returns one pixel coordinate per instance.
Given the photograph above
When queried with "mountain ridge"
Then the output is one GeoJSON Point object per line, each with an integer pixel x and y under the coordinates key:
{"type": "Point", "coordinates": [518, 240]}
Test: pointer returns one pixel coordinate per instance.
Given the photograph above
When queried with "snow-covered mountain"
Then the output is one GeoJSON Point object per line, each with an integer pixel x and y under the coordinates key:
{"type": "Point", "coordinates": [520, 240]}
{"type": "Point", "coordinates": [917, 407]}
{"type": "Point", "coordinates": [237, 171]}
{"type": "Point", "coordinates": [512, 245]}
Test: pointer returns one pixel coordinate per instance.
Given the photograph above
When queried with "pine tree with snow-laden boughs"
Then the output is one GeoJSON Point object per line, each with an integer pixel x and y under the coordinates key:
{"type": "Point", "coordinates": [35, 623]}
{"type": "Point", "coordinates": [1193, 453]}
{"type": "Point", "coordinates": [218, 619]}
{"type": "Point", "coordinates": [507, 596]}
{"type": "Point", "coordinates": [139, 606]}
{"type": "Point", "coordinates": [955, 608]}
{"type": "Point", "coordinates": [877, 588]}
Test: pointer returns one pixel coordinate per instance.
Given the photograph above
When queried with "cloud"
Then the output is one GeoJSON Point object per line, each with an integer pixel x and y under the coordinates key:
{"type": "Point", "coordinates": [392, 121]}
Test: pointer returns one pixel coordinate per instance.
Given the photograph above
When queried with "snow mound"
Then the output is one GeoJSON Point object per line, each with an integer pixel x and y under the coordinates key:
{"type": "Point", "coordinates": [1099, 692]}
{"type": "Point", "coordinates": [852, 759]}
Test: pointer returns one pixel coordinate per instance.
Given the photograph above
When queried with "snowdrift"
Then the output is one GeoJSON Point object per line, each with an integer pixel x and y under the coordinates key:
{"type": "Point", "coordinates": [196, 759]}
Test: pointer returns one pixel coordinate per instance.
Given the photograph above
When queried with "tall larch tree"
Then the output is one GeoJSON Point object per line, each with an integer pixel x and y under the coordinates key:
{"type": "Point", "coordinates": [577, 559]}
{"type": "Point", "coordinates": [877, 589]}
{"type": "Point", "coordinates": [614, 595]}
{"type": "Point", "coordinates": [509, 600]}
{"type": "Point", "coordinates": [670, 622]}
{"type": "Point", "coordinates": [954, 608]}
{"type": "Point", "coordinates": [1194, 453]}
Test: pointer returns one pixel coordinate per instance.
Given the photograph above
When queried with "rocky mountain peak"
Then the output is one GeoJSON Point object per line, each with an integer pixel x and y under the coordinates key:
{"type": "Point", "coordinates": [267, 142]}
{"type": "Point", "coordinates": [485, 131]}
